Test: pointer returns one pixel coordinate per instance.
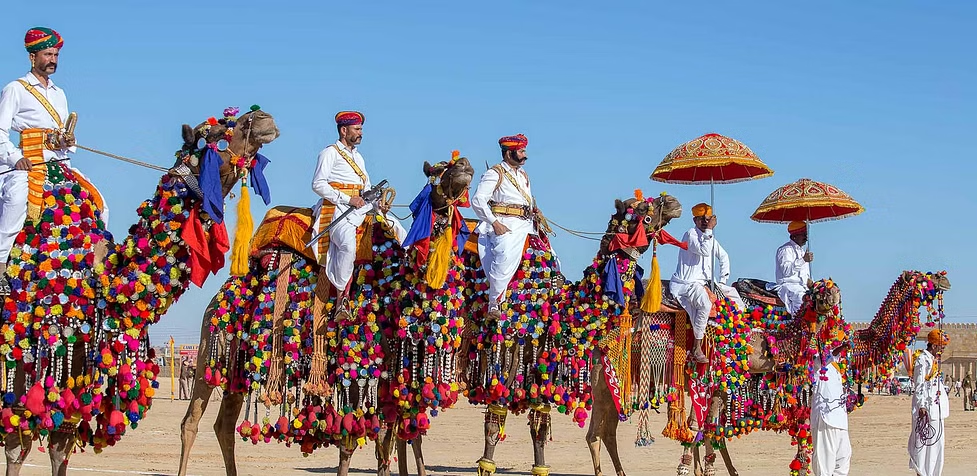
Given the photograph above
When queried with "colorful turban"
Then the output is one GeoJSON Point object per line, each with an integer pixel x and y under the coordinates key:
{"type": "Point", "coordinates": [40, 38]}
{"type": "Point", "coordinates": [702, 210]}
{"type": "Point", "coordinates": [938, 337]}
{"type": "Point", "coordinates": [795, 227]}
{"type": "Point", "coordinates": [515, 142]}
{"type": "Point", "coordinates": [350, 118]}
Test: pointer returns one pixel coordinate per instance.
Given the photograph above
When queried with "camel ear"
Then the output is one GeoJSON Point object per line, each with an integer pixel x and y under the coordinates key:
{"type": "Point", "coordinates": [810, 283]}
{"type": "Point", "coordinates": [188, 136]}
{"type": "Point", "coordinates": [427, 169]}
{"type": "Point", "coordinates": [620, 206]}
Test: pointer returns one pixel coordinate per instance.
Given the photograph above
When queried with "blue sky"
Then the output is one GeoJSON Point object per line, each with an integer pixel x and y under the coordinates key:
{"type": "Point", "coordinates": [876, 98]}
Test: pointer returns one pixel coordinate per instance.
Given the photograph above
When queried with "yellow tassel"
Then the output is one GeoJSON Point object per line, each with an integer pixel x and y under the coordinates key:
{"type": "Point", "coordinates": [652, 301]}
{"type": "Point", "coordinates": [438, 261]}
{"type": "Point", "coordinates": [242, 234]}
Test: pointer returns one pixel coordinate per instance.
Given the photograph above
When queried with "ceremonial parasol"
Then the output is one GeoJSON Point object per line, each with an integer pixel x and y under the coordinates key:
{"type": "Point", "coordinates": [711, 159]}
{"type": "Point", "coordinates": [808, 201]}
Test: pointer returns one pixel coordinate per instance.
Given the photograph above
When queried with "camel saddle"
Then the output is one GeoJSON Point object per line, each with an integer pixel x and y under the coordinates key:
{"type": "Point", "coordinates": [671, 304]}
{"type": "Point", "coordinates": [285, 226]}
{"type": "Point", "coordinates": [755, 292]}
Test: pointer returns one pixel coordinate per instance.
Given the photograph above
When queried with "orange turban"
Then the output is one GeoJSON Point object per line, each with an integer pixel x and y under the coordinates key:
{"type": "Point", "coordinates": [938, 337]}
{"type": "Point", "coordinates": [702, 210]}
{"type": "Point", "coordinates": [796, 227]}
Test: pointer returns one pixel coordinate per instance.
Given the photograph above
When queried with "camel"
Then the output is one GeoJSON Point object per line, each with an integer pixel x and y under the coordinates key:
{"type": "Point", "coordinates": [539, 357]}
{"type": "Point", "coordinates": [82, 370]}
{"type": "Point", "coordinates": [777, 340]}
{"type": "Point", "coordinates": [272, 308]}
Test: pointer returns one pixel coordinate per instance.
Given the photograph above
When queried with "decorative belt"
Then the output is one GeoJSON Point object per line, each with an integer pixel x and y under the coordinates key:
{"type": "Point", "coordinates": [53, 139]}
{"type": "Point", "coordinates": [512, 210]}
{"type": "Point", "coordinates": [349, 189]}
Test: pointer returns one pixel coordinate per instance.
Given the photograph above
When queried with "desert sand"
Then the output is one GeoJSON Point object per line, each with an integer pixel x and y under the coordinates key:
{"type": "Point", "coordinates": [879, 432]}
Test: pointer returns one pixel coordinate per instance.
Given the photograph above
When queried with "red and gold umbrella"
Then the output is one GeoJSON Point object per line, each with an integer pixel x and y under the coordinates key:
{"type": "Point", "coordinates": [806, 200]}
{"type": "Point", "coordinates": [709, 159]}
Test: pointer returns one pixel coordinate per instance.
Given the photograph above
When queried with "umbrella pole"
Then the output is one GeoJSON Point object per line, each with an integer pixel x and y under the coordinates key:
{"type": "Point", "coordinates": [712, 258]}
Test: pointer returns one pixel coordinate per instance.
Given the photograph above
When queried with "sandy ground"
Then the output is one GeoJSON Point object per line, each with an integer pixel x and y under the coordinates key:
{"type": "Point", "coordinates": [879, 432]}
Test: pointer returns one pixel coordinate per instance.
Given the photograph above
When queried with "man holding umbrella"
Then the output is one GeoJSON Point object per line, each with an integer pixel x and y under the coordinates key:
{"type": "Point", "coordinates": [793, 268]}
{"type": "Point", "coordinates": [694, 271]}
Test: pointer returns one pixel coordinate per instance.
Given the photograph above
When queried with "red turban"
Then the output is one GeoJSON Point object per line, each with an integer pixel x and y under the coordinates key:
{"type": "Point", "coordinates": [350, 118]}
{"type": "Point", "coordinates": [515, 142]}
{"type": "Point", "coordinates": [796, 227]}
{"type": "Point", "coordinates": [41, 38]}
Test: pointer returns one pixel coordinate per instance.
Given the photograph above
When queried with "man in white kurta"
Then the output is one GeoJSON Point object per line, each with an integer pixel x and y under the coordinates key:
{"type": "Point", "coordinates": [793, 267]}
{"type": "Point", "coordinates": [504, 203]}
{"type": "Point", "coordinates": [21, 110]}
{"type": "Point", "coordinates": [339, 180]}
{"type": "Point", "coordinates": [694, 271]}
{"type": "Point", "coordinates": [829, 422]}
{"type": "Point", "coordinates": [931, 405]}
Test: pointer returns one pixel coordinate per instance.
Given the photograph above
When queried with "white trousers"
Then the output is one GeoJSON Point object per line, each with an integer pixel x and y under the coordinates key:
{"type": "Point", "coordinates": [13, 209]}
{"type": "Point", "coordinates": [500, 256]}
{"type": "Point", "coordinates": [832, 450]}
{"type": "Point", "coordinates": [733, 295]}
{"type": "Point", "coordinates": [695, 300]}
{"type": "Point", "coordinates": [926, 458]}
{"type": "Point", "coordinates": [792, 294]}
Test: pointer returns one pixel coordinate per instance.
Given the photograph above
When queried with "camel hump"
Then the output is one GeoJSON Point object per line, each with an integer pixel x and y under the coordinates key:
{"type": "Point", "coordinates": [286, 226]}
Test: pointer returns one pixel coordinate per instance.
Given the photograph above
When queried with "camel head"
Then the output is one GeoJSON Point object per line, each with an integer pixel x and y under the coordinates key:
{"type": "Point", "coordinates": [647, 214]}
{"type": "Point", "coordinates": [450, 179]}
{"type": "Point", "coordinates": [825, 296]}
{"type": "Point", "coordinates": [236, 140]}
{"type": "Point", "coordinates": [935, 282]}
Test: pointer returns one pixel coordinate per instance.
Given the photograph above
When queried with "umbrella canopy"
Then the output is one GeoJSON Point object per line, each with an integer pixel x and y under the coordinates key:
{"type": "Point", "coordinates": [806, 200]}
{"type": "Point", "coordinates": [712, 158]}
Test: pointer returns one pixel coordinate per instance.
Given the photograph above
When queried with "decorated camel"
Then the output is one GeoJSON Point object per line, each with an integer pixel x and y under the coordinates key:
{"type": "Point", "coordinates": [274, 348]}
{"type": "Point", "coordinates": [78, 365]}
{"type": "Point", "coordinates": [538, 355]}
{"type": "Point", "coordinates": [782, 364]}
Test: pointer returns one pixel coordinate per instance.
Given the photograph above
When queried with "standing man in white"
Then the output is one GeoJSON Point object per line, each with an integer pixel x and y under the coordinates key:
{"type": "Point", "coordinates": [829, 421]}
{"type": "Point", "coordinates": [931, 405]}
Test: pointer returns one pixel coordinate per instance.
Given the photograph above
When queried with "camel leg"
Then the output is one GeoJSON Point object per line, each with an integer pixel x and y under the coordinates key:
{"type": "Point", "coordinates": [593, 438]}
{"type": "Point", "coordinates": [385, 442]}
{"type": "Point", "coordinates": [724, 451]}
{"type": "Point", "coordinates": [539, 430]}
{"type": "Point", "coordinates": [685, 464]}
{"type": "Point", "coordinates": [16, 447]}
{"type": "Point", "coordinates": [610, 439]}
{"type": "Point", "coordinates": [696, 461]}
{"type": "Point", "coordinates": [227, 415]}
{"type": "Point", "coordinates": [709, 466]}
{"type": "Point", "coordinates": [345, 458]}
{"type": "Point", "coordinates": [418, 457]}
{"type": "Point", "coordinates": [494, 432]}
{"type": "Point", "coordinates": [191, 421]}
{"type": "Point", "coordinates": [60, 444]}
{"type": "Point", "coordinates": [402, 457]}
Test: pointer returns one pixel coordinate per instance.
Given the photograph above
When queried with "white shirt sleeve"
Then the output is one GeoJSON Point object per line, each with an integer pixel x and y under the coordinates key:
{"type": "Point", "coordinates": [483, 193]}
{"type": "Point", "coordinates": [723, 259]}
{"type": "Point", "coordinates": [920, 369]}
{"type": "Point", "coordinates": [9, 105]}
{"type": "Point", "coordinates": [789, 264]}
{"type": "Point", "coordinates": [320, 181]}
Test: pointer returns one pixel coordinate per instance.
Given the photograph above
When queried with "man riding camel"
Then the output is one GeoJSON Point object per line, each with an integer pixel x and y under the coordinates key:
{"type": "Point", "coordinates": [505, 205]}
{"type": "Point", "coordinates": [339, 180]}
{"type": "Point", "coordinates": [793, 267]}
{"type": "Point", "coordinates": [37, 109]}
{"type": "Point", "coordinates": [694, 272]}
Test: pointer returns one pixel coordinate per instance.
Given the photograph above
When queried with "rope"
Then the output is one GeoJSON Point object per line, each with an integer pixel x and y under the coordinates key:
{"type": "Point", "coordinates": [124, 159]}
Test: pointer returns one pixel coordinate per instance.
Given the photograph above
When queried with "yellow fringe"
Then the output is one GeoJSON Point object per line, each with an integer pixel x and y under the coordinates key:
{"type": "Point", "coordinates": [439, 260]}
{"type": "Point", "coordinates": [652, 300]}
{"type": "Point", "coordinates": [242, 234]}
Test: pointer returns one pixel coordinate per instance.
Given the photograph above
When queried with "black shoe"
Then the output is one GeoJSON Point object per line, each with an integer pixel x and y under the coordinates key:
{"type": "Point", "coordinates": [4, 285]}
